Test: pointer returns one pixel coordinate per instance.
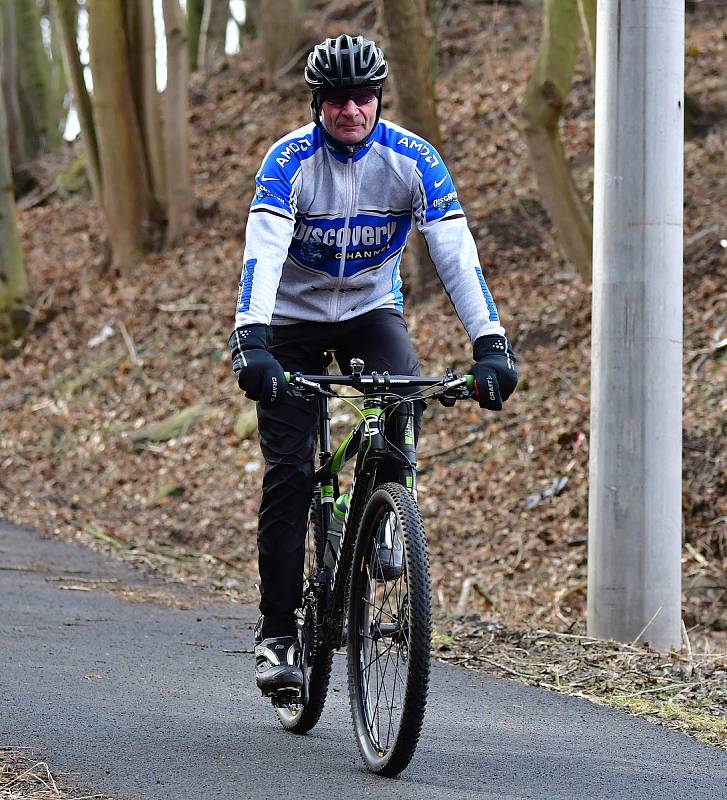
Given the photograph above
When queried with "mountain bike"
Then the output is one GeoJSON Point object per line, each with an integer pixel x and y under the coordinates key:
{"type": "Point", "coordinates": [366, 583]}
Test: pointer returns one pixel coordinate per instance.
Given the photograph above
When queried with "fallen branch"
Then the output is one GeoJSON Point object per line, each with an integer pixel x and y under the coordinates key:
{"type": "Point", "coordinates": [647, 626]}
{"type": "Point", "coordinates": [468, 586]}
{"type": "Point", "coordinates": [89, 375]}
{"type": "Point", "coordinates": [180, 307]}
{"type": "Point", "coordinates": [104, 537]}
{"type": "Point", "coordinates": [469, 440]}
{"type": "Point", "coordinates": [508, 669]}
{"type": "Point", "coordinates": [172, 427]}
{"type": "Point", "coordinates": [695, 237]}
{"type": "Point", "coordinates": [655, 689]}
{"type": "Point", "coordinates": [129, 342]}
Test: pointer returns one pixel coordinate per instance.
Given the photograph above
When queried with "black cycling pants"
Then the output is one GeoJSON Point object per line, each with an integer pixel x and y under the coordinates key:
{"type": "Point", "coordinates": [288, 439]}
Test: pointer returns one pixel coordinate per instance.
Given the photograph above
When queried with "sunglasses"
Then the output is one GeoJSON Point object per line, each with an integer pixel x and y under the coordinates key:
{"type": "Point", "coordinates": [339, 97]}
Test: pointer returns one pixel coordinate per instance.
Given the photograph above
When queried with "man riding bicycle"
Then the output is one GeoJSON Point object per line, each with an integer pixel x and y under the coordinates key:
{"type": "Point", "coordinates": [333, 206]}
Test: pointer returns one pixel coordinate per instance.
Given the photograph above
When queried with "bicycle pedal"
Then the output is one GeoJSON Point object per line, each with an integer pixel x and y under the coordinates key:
{"type": "Point", "coordinates": [284, 697]}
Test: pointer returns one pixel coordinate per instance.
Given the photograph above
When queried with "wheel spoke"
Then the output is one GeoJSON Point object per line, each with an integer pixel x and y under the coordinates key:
{"type": "Point", "coordinates": [389, 677]}
{"type": "Point", "coordinates": [371, 647]}
{"type": "Point", "coordinates": [379, 656]}
{"type": "Point", "coordinates": [389, 703]}
{"type": "Point", "coordinates": [381, 600]}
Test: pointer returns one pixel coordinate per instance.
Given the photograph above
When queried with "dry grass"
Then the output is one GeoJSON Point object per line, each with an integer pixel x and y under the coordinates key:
{"type": "Point", "coordinates": [682, 691]}
{"type": "Point", "coordinates": [24, 778]}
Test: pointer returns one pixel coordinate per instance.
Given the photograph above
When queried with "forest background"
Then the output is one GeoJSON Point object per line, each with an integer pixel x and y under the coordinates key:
{"type": "Point", "coordinates": [121, 425]}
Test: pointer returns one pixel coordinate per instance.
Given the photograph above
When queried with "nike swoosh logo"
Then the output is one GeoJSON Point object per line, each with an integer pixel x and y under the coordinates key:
{"type": "Point", "coordinates": [269, 179]}
{"type": "Point", "coordinates": [437, 184]}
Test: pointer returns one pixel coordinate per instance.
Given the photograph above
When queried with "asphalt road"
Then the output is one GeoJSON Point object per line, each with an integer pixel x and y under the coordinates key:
{"type": "Point", "coordinates": [140, 700]}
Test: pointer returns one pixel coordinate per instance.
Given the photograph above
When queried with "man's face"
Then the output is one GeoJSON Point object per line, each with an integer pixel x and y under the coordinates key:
{"type": "Point", "coordinates": [349, 115]}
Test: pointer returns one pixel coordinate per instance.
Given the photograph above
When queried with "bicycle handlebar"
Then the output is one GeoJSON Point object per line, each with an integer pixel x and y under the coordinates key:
{"type": "Point", "coordinates": [377, 380]}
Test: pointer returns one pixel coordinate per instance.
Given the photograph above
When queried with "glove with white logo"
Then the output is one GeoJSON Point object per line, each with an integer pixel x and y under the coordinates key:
{"type": "Point", "coordinates": [495, 371]}
{"type": "Point", "coordinates": [259, 374]}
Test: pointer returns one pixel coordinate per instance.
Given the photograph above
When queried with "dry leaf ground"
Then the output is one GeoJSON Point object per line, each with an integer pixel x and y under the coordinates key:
{"type": "Point", "coordinates": [504, 496]}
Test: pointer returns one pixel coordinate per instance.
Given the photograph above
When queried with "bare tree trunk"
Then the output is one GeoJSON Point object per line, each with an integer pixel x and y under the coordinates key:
{"type": "Point", "coordinates": [279, 30]}
{"type": "Point", "coordinates": [141, 43]}
{"type": "Point", "coordinates": [409, 52]}
{"type": "Point", "coordinates": [57, 112]}
{"type": "Point", "coordinates": [195, 12]}
{"type": "Point", "coordinates": [14, 288]}
{"type": "Point", "coordinates": [587, 12]}
{"type": "Point", "coordinates": [33, 78]}
{"type": "Point", "coordinates": [66, 18]}
{"type": "Point", "coordinates": [251, 26]}
{"type": "Point", "coordinates": [176, 134]}
{"type": "Point", "coordinates": [126, 192]}
{"type": "Point", "coordinates": [9, 76]}
{"type": "Point", "coordinates": [213, 32]}
{"type": "Point", "coordinates": [541, 110]}
{"type": "Point", "coordinates": [433, 15]}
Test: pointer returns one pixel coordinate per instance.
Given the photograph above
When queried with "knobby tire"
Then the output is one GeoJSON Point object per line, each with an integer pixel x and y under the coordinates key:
{"type": "Point", "coordinates": [406, 613]}
{"type": "Point", "coordinates": [296, 718]}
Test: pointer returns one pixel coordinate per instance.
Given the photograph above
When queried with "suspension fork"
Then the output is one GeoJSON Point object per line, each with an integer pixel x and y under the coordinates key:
{"type": "Point", "coordinates": [401, 434]}
{"type": "Point", "coordinates": [376, 446]}
{"type": "Point", "coordinates": [407, 445]}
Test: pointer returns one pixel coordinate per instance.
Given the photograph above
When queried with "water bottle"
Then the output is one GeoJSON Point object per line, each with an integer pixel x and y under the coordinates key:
{"type": "Point", "coordinates": [333, 542]}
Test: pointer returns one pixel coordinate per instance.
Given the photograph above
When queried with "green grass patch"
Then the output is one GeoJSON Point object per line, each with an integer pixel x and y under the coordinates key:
{"type": "Point", "coordinates": [700, 723]}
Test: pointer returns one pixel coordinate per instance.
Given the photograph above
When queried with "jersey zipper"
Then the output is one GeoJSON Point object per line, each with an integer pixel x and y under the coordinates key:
{"type": "Point", "coordinates": [346, 223]}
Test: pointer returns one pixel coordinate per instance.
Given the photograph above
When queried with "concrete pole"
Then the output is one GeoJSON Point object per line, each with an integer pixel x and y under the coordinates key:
{"type": "Point", "coordinates": [634, 570]}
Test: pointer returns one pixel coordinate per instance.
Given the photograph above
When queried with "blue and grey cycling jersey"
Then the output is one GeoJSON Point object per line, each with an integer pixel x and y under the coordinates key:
{"type": "Point", "coordinates": [326, 232]}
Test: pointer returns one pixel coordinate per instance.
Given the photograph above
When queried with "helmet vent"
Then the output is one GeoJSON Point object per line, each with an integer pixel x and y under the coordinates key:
{"type": "Point", "coordinates": [345, 61]}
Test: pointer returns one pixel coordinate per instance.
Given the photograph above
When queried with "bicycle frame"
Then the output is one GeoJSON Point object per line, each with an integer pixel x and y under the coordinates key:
{"type": "Point", "coordinates": [381, 511]}
{"type": "Point", "coordinates": [368, 441]}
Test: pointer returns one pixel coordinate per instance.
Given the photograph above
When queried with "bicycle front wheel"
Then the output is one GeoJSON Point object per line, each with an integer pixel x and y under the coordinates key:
{"type": "Point", "coordinates": [389, 630]}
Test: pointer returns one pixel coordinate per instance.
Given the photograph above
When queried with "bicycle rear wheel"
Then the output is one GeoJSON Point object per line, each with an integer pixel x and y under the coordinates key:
{"type": "Point", "coordinates": [389, 632]}
{"type": "Point", "coordinates": [296, 716]}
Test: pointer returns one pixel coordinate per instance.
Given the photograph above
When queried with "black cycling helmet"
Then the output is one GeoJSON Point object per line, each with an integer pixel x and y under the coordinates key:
{"type": "Point", "coordinates": [343, 62]}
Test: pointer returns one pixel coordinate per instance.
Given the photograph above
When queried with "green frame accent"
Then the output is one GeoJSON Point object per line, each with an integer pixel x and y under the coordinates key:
{"type": "Point", "coordinates": [339, 459]}
{"type": "Point", "coordinates": [409, 432]}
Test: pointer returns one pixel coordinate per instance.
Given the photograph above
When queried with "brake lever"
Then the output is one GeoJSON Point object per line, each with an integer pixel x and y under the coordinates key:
{"type": "Point", "coordinates": [455, 389]}
{"type": "Point", "coordinates": [298, 386]}
{"type": "Point", "coordinates": [295, 391]}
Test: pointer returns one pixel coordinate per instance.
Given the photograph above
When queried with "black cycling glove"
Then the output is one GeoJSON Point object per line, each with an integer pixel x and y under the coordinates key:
{"type": "Point", "coordinates": [495, 371]}
{"type": "Point", "coordinates": [259, 373]}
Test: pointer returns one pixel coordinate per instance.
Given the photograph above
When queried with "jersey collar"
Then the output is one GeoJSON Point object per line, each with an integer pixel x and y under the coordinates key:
{"type": "Point", "coordinates": [344, 152]}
